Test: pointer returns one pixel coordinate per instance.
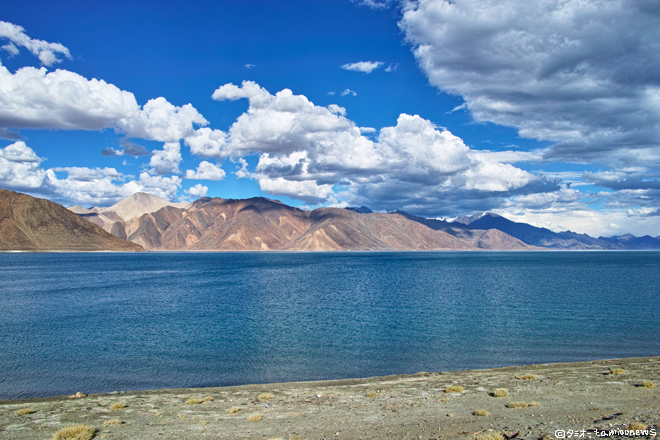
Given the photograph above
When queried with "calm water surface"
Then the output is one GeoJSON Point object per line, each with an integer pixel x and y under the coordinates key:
{"type": "Point", "coordinates": [105, 321]}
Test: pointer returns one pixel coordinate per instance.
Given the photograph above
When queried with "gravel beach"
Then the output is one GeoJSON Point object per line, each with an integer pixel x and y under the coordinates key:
{"type": "Point", "coordinates": [566, 400]}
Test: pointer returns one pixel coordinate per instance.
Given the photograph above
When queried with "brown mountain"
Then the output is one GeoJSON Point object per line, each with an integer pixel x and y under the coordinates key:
{"type": "Point", "coordinates": [31, 224]}
{"type": "Point", "coordinates": [263, 224]}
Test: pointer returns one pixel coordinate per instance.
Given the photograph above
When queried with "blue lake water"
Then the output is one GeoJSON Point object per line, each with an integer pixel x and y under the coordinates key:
{"type": "Point", "coordinates": [108, 321]}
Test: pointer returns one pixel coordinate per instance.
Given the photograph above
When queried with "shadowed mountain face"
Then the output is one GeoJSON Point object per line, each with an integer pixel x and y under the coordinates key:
{"type": "Point", "coordinates": [31, 224]}
{"type": "Point", "coordinates": [263, 224]}
{"type": "Point", "coordinates": [486, 238]}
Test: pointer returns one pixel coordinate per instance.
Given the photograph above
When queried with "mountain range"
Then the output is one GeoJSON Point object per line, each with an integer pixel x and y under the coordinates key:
{"type": "Point", "coordinates": [146, 222]}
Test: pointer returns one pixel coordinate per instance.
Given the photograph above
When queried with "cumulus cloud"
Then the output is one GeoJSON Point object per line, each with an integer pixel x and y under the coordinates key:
{"type": "Point", "coordinates": [46, 52]}
{"type": "Point", "coordinates": [582, 73]}
{"type": "Point", "coordinates": [34, 98]}
{"type": "Point", "coordinates": [317, 155]}
{"type": "Point", "coordinates": [198, 190]}
{"type": "Point", "coordinates": [365, 67]}
{"type": "Point", "coordinates": [348, 92]}
{"type": "Point", "coordinates": [207, 143]}
{"type": "Point", "coordinates": [206, 171]}
{"type": "Point", "coordinates": [167, 160]}
{"type": "Point", "coordinates": [20, 170]}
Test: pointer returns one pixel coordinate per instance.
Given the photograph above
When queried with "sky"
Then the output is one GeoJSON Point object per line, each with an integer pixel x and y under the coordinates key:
{"type": "Point", "coordinates": [546, 112]}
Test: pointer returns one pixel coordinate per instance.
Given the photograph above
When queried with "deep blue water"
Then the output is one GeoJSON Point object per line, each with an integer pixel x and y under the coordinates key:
{"type": "Point", "coordinates": [109, 321]}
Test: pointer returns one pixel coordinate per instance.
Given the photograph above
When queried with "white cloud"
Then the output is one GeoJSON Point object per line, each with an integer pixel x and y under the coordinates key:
{"type": "Point", "coordinates": [207, 143]}
{"type": "Point", "coordinates": [582, 73]}
{"type": "Point", "coordinates": [374, 4]}
{"type": "Point", "coordinates": [305, 150]}
{"type": "Point", "coordinates": [20, 170]}
{"type": "Point", "coordinates": [206, 171]}
{"type": "Point", "coordinates": [167, 160]}
{"type": "Point", "coordinates": [250, 66]}
{"type": "Point", "coordinates": [198, 190]}
{"type": "Point", "coordinates": [34, 98]}
{"type": "Point", "coordinates": [46, 52]}
{"type": "Point", "coordinates": [365, 67]}
{"type": "Point", "coordinates": [348, 92]}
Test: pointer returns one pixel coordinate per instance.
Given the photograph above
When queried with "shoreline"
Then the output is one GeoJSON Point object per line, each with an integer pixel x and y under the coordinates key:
{"type": "Point", "coordinates": [584, 395]}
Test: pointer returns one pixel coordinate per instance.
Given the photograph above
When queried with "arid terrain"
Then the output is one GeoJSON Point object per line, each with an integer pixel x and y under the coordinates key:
{"type": "Point", "coordinates": [541, 401]}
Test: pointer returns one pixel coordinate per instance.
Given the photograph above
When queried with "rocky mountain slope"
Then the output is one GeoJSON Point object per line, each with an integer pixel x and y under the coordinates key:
{"type": "Point", "coordinates": [125, 210]}
{"type": "Point", "coordinates": [31, 224]}
{"type": "Point", "coordinates": [263, 224]}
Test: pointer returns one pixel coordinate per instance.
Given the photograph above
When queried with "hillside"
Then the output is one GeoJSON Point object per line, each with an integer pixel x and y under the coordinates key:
{"type": "Point", "coordinates": [31, 224]}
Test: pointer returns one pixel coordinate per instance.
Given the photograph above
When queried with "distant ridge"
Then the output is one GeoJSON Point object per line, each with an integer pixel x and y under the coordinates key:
{"type": "Point", "coordinates": [31, 224]}
{"type": "Point", "coordinates": [543, 237]}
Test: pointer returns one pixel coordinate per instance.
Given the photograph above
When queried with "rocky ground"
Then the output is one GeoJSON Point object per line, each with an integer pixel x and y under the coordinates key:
{"type": "Point", "coordinates": [589, 396]}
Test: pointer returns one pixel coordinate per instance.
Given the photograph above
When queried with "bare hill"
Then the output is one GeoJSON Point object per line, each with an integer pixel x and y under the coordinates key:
{"type": "Point", "coordinates": [31, 224]}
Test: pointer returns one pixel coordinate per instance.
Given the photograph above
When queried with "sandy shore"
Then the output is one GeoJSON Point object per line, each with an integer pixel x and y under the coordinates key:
{"type": "Point", "coordinates": [569, 396]}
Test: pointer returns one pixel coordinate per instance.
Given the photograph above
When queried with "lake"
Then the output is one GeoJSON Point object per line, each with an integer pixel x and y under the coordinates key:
{"type": "Point", "coordinates": [99, 322]}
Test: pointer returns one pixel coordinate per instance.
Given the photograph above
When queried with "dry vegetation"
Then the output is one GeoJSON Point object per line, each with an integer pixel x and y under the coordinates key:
{"type": "Point", "coordinates": [117, 406]}
{"type": "Point", "coordinates": [534, 404]}
{"type": "Point", "coordinates": [527, 377]}
{"type": "Point", "coordinates": [265, 396]}
{"type": "Point", "coordinates": [255, 417]}
{"type": "Point", "coordinates": [193, 401]}
{"type": "Point", "coordinates": [372, 394]}
{"type": "Point", "coordinates": [454, 389]}
{"type": "Point", "coordinates": [112, 422]}
{"type": "Point", "coordinates": [233, 410]}
{"type": "Point", "coordinates": [646, 384]}
{"type": "Point", "coordinates": [517, 405]}
{"type": "Point", "coordinates": [77, 432]}
{"type": "Point", "coordinates": [481, 412]}
{"type": "Point", "coordinates": [500, 392]}
{"type": "Point", "coordinates": [616, 371]}
{"type": "Point", "coordinates": [637, 426]}
{"type": "Point", "coordinates": [489, 436]}
{"type": "Point", "coordinates": [25, 411]}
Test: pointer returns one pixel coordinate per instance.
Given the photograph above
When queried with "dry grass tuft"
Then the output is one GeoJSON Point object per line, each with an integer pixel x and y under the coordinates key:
{"type": "Point", "coordinates": [527, 377]}
{"type": "Point", "coordinates": [207, 399]}
{"type": "Point", "coordinates": [265, 396]}
{"type": "Point", "coordinates": [637, 426]}
{"type": "Point", "coordinates": [372, 394]}
{"type": "Point", "coordinates": [112, 422]}
{"type": "Point", "coordinates": [233, 410]}
{"type": "Point", "coordinates": [254, 417]}
{"type": "Point", "coordinates": [616, 370]}
{"type": "Point", "coordinates": [454, 389]}
{"type": "Point", "coordinates": [517, 405]}
{"type": "Point", "coordinates": [77, 432]}
{"type": "Point", "coordinates": [646, 384]}
{"type": "Point", "coordinates": [481, 412]}
{"type": "Point", "coordinates": [117, 406]}
{"type": "Point", "coordinates": [500, 392]}
{"type": "Point", "coordinates": [25, 411]}
{"type": "Point", "coordinates": [193, 401]}
{"type": "Point", "coordinates": [489, 436]}
{"type": "Point", "coordinates": [534, 404]}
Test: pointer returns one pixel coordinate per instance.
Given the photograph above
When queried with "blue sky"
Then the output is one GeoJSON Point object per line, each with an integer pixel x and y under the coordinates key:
{"type": "Point", "coordinates": [546, 112]}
